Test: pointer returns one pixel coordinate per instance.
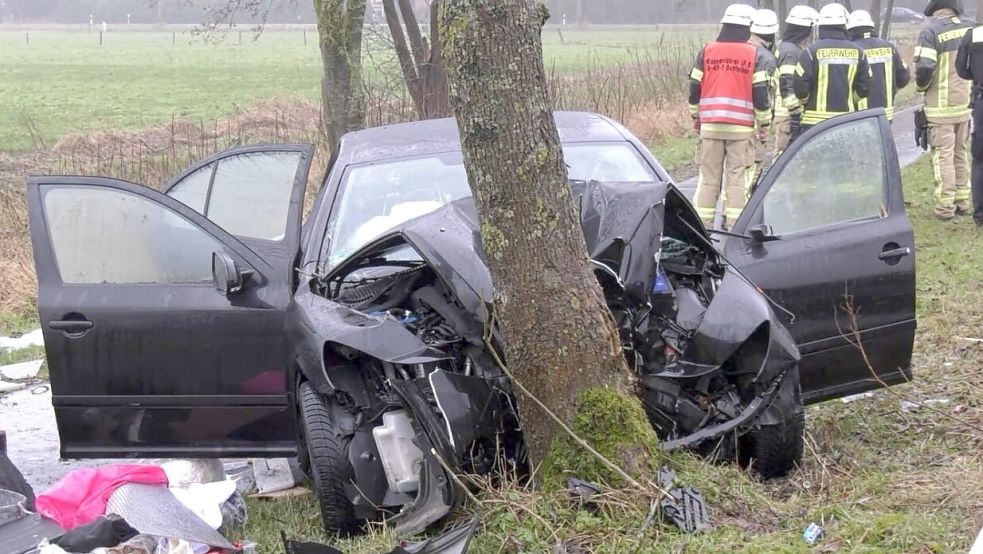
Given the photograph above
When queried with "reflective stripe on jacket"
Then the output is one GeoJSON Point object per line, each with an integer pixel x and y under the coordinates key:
{"type": "Point", "coordinates": [946, 94]}
{"type": "Point", "coordinates": [785, 99]}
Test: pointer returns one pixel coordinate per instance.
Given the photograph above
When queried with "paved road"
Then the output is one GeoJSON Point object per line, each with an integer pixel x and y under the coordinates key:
{"type": "Point", "coordinates": [27, 416]}
{"type": "Point", "coordinates": [904, 137]}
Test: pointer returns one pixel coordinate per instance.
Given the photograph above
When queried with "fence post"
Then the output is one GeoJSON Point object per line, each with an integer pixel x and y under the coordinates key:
{"type": "Point", "coordinates": [28, 38]}
{"type": "Point", "coordinates": [240, 38]}
{"type": "Point", "coordinates": [305, 37]}
{"type": "Point", "coordinates": [173, 39]}
{"type": "Point", "coordinates": [100, 38]}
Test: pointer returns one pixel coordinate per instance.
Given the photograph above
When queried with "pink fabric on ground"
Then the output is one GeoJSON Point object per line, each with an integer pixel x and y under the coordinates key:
{"type": "Point", "coordinates": [81, 496]}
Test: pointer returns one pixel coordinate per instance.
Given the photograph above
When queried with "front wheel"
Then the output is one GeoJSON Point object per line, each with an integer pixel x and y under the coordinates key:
{"type": "Point", "coordinates": [773, 450]}
{"type": "Point", "coordinates": [327, 455]}
{"type": "Point", "coordinates": [11, 479]}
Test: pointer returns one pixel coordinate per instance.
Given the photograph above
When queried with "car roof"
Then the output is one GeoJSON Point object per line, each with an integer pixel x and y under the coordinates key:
{"type": "Point", "coordinates": [436, 136]}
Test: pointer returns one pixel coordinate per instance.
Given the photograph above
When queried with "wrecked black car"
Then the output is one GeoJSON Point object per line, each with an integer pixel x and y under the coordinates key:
{"type": "Point", "coordinates": [208, 321]}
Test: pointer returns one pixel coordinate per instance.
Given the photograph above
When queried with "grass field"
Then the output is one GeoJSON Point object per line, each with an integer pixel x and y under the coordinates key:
{"type": "Point", "coordinates": [66, 82]}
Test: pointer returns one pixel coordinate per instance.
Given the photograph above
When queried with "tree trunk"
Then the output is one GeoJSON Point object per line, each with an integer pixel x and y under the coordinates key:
{"type": "Point", "coordinates": [875, 13]}
{"type": "Point", "coordinates": [421, 63]}
{"type": "Point", "coordinates": [886, 30]}
{"type": "Point", "coordinates": [339, 27]}
{"type": "Point", "coordinates": [782, 11]}
{"type": "Point", "coordinates": [560, 338]}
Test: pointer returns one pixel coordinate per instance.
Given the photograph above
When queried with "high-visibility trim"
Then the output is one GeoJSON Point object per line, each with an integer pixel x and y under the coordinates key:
{"type": "Point", "coordinates": [927, 53]}
{"type": "Point", "coordinates": [787, 69]}
{"type": "Point", "coordinates": [694, 110]}
{"type": "Point", "coordinates": [962, 194]}
{"type": "Point", "coordinates": [732, 214]}
{"type": "Point", "coordinates": [726, 114]}
{"type": "Point", "coordinates": [822, 87]}
{"type": "Point", "coordinates": [838, 61]}
{"type": "Point", "coordinates": [851, 99]}
{"type": "Point", "coordinates": [759, 77]}
{"type": "Point", "coordinates": [696, 74]}
{"type": "Point", "coordinates": [799, 70]}
{"type": "Point", "coordinates": [889, 85]}
{"type": "Point", "coordinates": [727, 102]}
{"type": "Point", "coordinates": [729, 128]}
{"type": "Point", "coordinates": [763, 117]}
{"type": "Point", "coordinates": [978, 34]}
{"type": "Point", "coordinates": [951, 111]}
{"type": "Point", "coordinates": [863, 104]}
{"type": "Point", "coordinates": [937, 171]}
{"type": "Point", "coordinates": [815, 117]}
{"type": "Point", "coordinates": [943, 76]}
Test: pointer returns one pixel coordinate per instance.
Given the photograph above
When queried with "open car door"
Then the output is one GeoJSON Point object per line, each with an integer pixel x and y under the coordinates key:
{"type": "Point", "coordinates": [829, 233]}
{"type": "Point", "coordinates": [164, 331]}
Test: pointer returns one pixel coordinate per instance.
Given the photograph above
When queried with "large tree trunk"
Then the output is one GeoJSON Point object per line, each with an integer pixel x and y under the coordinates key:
{"type": "Point", "coordinates": [875, 13]}
{"type": "Point", "coordinates": [560, 338]}
{"type": "Point", "coordinates": [339, 27]}
{"type": "Point", "coordinates": [886, 29]}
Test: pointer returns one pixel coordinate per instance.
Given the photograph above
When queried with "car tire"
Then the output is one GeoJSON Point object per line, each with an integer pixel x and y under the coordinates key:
{"type": "Point", "coordinates": [329, 467]}
{"type": "Point", "coordinates": [774, 450]}
{"type": "Point", "coordinates": [12, 479]}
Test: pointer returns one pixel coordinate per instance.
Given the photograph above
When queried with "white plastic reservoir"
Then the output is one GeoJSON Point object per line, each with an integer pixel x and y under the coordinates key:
{"type": "Point", "coordinates": [401, 459]}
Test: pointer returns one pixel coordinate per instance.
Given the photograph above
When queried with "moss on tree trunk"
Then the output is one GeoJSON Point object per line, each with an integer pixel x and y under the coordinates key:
{"type": "Point", "coordinates": [560, 337]}
{"type": "Point", "coordinates": [339, 28]}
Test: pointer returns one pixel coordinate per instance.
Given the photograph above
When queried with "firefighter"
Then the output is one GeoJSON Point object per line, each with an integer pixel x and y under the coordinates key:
{"type": "Point", "coordinates": [728, 97]}
{"type": "Point", "coordinates": [946, 105]}
{"type": "Point", "coordinates": [888, 72]}
{"type": "Point", "coordinates": [764, 28]}
{"type": "Point", "coordinates": [788, 110]}
{"type": "Point", "coordinates": [832, 74]}
{"type": "Point", "coordinates": [969, 64]}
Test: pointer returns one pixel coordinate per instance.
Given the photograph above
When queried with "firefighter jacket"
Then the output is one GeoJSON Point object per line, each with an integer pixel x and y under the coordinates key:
{"type": "Point", "coordinates": [786, 102]}
{"type": "Point", "coordinates": [946, 94]}
{"type": "Point", "coordinates": [969, 60]}
{"type": "Point", "coordinates": [888, 73]}
{"type": "Point", "coordinates": [831, 77]}
{"type": "Point", "coordinates": [769, 66]}
{"type": "Point", "coordinates": [729, 88]}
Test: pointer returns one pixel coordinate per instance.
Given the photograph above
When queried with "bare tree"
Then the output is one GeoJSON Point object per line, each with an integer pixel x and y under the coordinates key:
{"type": "Point", "coordinates": [421, 61]}
{"type": "Point", "coordinates": [875, 12]}
{"type": "Point", "coordinates": [562, 343]}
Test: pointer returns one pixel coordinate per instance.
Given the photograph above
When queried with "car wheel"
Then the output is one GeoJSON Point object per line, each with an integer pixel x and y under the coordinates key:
{"type": "Point", "coordinates": [328, 458]}
{"type": "Point", "coordinates": [773, 450]}
{"type": "Point", "coordinates": [12, 479]}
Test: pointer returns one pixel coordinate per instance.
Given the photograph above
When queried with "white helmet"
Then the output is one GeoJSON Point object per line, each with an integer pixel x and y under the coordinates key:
{"type": "Point", "coordinates": [765, 22]}
{"type": "Point", "coordinates": [803, 16]}
{"type": "Point", "coordinates": [739, 14]}
{"type": "Point", "coordinates": [833, 15]}
{"type": "Point", "coordinates": [859, 18]}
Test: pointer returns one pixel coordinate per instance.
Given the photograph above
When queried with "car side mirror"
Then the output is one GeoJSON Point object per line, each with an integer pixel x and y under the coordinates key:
{"type": "Point", "coordinates": [761, 234]}
{"type": "Point", "coordinates": [228, 277]}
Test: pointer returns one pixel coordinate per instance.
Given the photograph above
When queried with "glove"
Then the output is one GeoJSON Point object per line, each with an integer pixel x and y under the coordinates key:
{"type": "Point", "coordinates": [696, 124]}
{"type": "Point", "coordinates": [761, 134]}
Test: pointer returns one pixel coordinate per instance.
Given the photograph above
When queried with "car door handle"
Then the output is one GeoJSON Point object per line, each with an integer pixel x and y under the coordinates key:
{"type": "Point", "coordinates": [894, 254]}
{"type": "Point", "coordinates": [71, 326]}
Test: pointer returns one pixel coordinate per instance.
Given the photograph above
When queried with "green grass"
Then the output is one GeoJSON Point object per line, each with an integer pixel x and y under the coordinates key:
{"type": "Point", "coordinates": [877, 478]}
{"type": "Point", "coordinates": [66, 82]}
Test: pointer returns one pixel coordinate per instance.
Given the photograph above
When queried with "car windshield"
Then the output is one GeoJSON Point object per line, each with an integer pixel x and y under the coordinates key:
{"type": "Point", "coordinates": [375, 197]}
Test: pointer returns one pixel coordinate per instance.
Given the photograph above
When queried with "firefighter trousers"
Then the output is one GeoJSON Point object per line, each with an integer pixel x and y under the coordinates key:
{"type": "Point", "coordinates": [727, 164]}
{"type": "Point", "coordinates": [978, 163]}
{"type": "Point", "coordinates": [783, 134]}
{"type": "Point", "coordinates": [951, 165]}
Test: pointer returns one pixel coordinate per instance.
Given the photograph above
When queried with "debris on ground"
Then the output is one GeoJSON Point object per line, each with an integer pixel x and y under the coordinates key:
{"type": "Point", "coordinates": [912, 406]}
{"type": "Point", "coordinates": [583, 489]}
{"type": "Point", "coordinates": [104, 532]}
{"type": "Point", "coordinates": [684, 506]}
{"type": "Point", "coordinates": [10, 387]}
{"type": "Point", "coordinates": [855, 397]}
{"type": "Point", "coordinates": [21, 341]}
{"type": "Point", "coordinates": [82, 495]}
{"type": "Point", "coordinates": [288, 493]}
{"type": "Point", "coordinates": [21, 371]}
{"type": "Point", "coordinates": [812, 533]}
{"type": "Point", "coordinates": [455, 541]}
{"type": "Point", "coordinates": [274, 475]}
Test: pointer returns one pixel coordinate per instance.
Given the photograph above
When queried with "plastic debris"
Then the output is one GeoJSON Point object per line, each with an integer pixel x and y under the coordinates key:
{"type": "Point", "coordinates": [10, 387]}
{"type": "Point", "coordinates": [206, 499]}
{"type": "Point", "coordinates": [455, 541]}
{"type": "Point", "coordinates": [241, 471]}
{"type": "Point", "coordinates": [909, 406]}
{"type": "Point", "coordinates": [11, 506]}
{"type": "Point", "coordinates": [273, 475]}
{"type": "Point", "coordinates": [288, 493]}
{"type": "Point", "coordinates": [154, 510]}
{"type": "Point", "coordinates": [855, 397]}
{"type": "Point", "coordinates": [977, 544]}
{"type": "Point", "coordinates": [22, 370]}
{"type": "Point", "coordinates": [583, 489]}
{"type": "Point", "coordinates": [684, 506]}
{"type": "Point", "coordinates": [19, 342]}
{"type": "Point", "coordinates": [812, 533]}
{"type": "Point", "coordinates": [184, 473]}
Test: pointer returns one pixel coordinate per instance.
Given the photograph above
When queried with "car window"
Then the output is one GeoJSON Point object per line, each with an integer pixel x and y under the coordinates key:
{"type": "Point", "coordinates": [838, 176]}
{"type": "Point", "coordinates": [103, 235]}
{"type": "Point", "coordinates": [373, 198]}
{"type": "Point", "coordinates": [249, 195]}
{"type": "Point", "coordinates": [193, 189]}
